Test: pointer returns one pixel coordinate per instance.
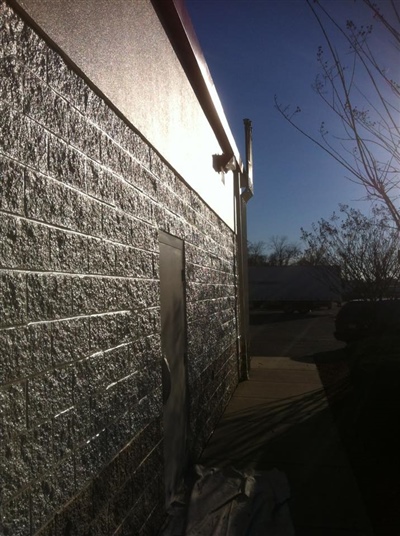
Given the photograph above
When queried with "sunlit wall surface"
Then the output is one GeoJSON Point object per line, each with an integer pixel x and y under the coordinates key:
{"type": "Point", "coordinates": [143, 79]}
{"type": "Point", "coordinates": [83, 198]}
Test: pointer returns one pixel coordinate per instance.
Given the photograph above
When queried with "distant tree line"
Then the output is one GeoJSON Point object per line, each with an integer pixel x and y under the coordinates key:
{"type": "Point", "coordinates": [278, 251]}
{"type": "Point", "coordinates": [364, 247]}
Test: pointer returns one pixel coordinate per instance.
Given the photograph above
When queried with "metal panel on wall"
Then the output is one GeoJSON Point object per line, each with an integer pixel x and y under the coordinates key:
{"type": "Point", "coordinates": [173, 340]}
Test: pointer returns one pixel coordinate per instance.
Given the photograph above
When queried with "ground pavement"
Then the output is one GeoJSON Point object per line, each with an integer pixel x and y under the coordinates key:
{"type": "Point", "coordinates": [280, 418]}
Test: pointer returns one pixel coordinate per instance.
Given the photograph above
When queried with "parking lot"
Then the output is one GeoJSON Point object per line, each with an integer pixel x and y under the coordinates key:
{"type": "Point", "coordinates": [274, 334]}
{"type": "Point", "coordinates": [364, 420]}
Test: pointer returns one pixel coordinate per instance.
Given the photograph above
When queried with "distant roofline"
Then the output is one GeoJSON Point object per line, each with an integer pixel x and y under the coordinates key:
{"type": "Point", "coordinates": [179, 28]}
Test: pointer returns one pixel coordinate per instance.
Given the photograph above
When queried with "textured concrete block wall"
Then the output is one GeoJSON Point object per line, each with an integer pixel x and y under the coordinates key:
{"type": "Point", "coordinates": [82, 200]}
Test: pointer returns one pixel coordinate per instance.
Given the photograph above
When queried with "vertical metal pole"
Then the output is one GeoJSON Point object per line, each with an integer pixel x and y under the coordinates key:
{"type": "Point", "coordinates": [243, 192]}
{"type": "Point", "coordinates": [241, 255]}
{"type": "Point", "coordinates": [245, 291]}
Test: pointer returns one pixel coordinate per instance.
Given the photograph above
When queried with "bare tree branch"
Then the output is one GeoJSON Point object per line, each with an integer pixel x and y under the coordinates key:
{"type": "Point", "coordinates": [369, 149]}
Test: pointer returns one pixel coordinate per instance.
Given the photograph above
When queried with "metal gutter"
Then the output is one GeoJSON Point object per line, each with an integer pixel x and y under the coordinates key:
{"type": "Point", "coordinates": [179, 28]}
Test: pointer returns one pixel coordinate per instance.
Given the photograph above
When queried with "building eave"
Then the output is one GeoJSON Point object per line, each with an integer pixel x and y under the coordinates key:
{"type": "Point", "coordinates": [179, 28]}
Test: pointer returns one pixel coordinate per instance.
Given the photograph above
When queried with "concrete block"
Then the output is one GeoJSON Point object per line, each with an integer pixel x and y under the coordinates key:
{"type": "Point", "coordinates": [13, 292]}
{"type": "Point", "coordinates": [66, 164]}
{"type": "Point", "coordinates": [115, 297]}
{"type": "Point", "coordinates": [48, 529]}
{"type": "Point", "coordinates": [116, 159]}
{"type": "Point", "coordinates": [41, 392]}
{"type": "Point", "coordinates": [105, 485]}
{"type": "Point", "coordinates": [32, 149]}
{"type": "Point", "coordinates": [21, 42]}
{"type": "Point", "coordinates": [70, 340]}
{"type": "Point", "coordinates": [49, 296]}
{"type": "Point", "coordinates": [89, 218]}
{"type": "Point", "coordinates": [139, 149]}
{"type": "Point", "coordinates": [51, 202]}
{"type": "Point", "coordinates": [43, 504]}
{"type": "Point", "coordinates": [144, 293]}
{"type": "Point", "coordinates": [101, 257]}
{"type": "Point", "coordinates": [108, 151]}
{"type": "Point", "coordinates": [11, 186]}
{"type": "Point", "coordinates": [99, 182]}
{"type": "Point", "coordinates": [45, 106]}
{"type": "Point", "coordinates": [16, 465]}
{"type": "Point", "coordinates": [41, 450]}
{"type": "Point", "coordinates": [149, 322]}
{"type": "Point", "coordinates": [63, 434]}
{"type": "Point", "coordinates": [49, 395]}
{"type": "Point", "coordinates": [11, 77]}
{"type": "Point", "coordinates": [32, 51]}
{"type": "Point", "coordinates": [148, 409]}
{"type": "Point", "coordinates": [133, 262]}
{"type": "Point", "coordinates": [83, 135]}
{"type": "Point", "coordinates": [147, 183]}
{"type": "Point", "coordinates": [115, 225]}
{"type": "Point", "coordinates": [142, 235]}
{"type": "Point", "coordinates": [92, 138]}
{"type": "Point", "coordinates": [119, 131]}
{"type": "Point", "coordinates": [43, 198]}
{"type": "Point", "coordinates": [40, 346]}
{"type": "Point", "coordinates": [11, 125]}
{"type": "Point", "coordinates": [13, 402]}
{"type": "Point", "coordinates": [90, 459]}
{"type": "Point", "coordinates": [88, 295]}
{"type": "Point", "coordinates": [82, 424]}
{"type": "Point", "coordinates": [154, 463]}
{"type": "Point", "coordinates": [124, 393]}
{"type": "Point", "coordinates": [64, 479]}
{"type": "Point", "coordinates": [117, 365]}
{"type": "Point", "coordinates": [151, 439]}
{"type": "Point", "coordinates": [137, 517]}
{"type": "Point", "coordinates": [64, 383]}
{"type": "Point", "coordinates": [102, 331]}
{"type": "Point", "coordinates": [126, 327]}
{"type": "Point", "coordinates": [99, 113]}
{"type": "Point", "coordinates": [11, 25]}
{"type": "Point", "coordinates": [25, 245]}
{"type": "Point", "coordinates": [69, 251]}
{"type": "Point", "coordinates": [62, 296]}
{"type": "Point", "coordinates": [89, 376]}
{"type": "Point", "coordinates": [131, 201]}
{"type": "Point", "coordinates": [125, 136]}
{"type": "Point", "coordinates": [101, 412]}
{"type": "Point", "coordinates": [15, 515]}
{"type": "Point", "coordinates": [128, 168]}
{"type": "Point", "coordinates": [14, 349]}
{"type": "Point", "coordinates": [160, 169]}
{"type": "Point", "coordinates": [65, 81]}
{"type": "Point", "coordinates": [78, 135]}
{"type": "Point", "coordinates": [75, 517]}
{"type": "Point", "coordinates": [120, 505]}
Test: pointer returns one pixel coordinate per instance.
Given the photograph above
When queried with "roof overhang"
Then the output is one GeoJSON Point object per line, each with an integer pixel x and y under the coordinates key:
{"type": "Point", "coordinates": [179, 28]}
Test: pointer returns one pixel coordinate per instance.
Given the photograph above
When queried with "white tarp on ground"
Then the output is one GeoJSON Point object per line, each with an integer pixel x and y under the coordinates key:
{"type": "Point", "coordinates": [228, 502]}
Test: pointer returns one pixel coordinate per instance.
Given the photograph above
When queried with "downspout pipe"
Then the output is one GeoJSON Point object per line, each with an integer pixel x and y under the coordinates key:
{"type": "Point", "coordinates": [244, 192]}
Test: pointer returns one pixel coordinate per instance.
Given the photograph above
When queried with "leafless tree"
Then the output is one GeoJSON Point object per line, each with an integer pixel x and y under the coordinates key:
{"type": "Point", "coordinates": [282, 252]}
{"type": "Point", "coordinates": [256, 253]}
{"type": "Point", "coordinates": [360, 87]}
{"type": "Point", "coordinates": [365, 248]}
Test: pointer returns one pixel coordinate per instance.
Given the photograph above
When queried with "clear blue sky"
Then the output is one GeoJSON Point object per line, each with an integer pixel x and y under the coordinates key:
{"type": "Point", "coordinates": [256, 49]}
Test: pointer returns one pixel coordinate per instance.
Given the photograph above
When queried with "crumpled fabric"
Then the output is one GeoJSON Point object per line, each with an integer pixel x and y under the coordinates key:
{"type": "Point", "coordinates": [228, 502]}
